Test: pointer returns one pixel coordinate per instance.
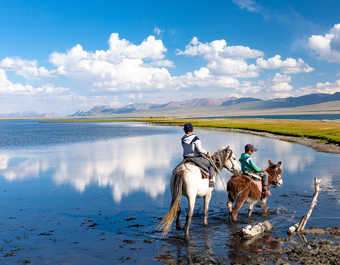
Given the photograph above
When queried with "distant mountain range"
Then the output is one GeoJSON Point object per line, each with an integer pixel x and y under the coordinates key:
{"type": "Point", "coordinates": [172, 105]}
{"type": "Point", "coordinates": [225, 104]}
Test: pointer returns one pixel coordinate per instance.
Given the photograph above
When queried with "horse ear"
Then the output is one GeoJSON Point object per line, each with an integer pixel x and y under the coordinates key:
{"type": "Point", "coordinates": [270, 163]}
{"type": "Point", "coordinates": [279, 163]}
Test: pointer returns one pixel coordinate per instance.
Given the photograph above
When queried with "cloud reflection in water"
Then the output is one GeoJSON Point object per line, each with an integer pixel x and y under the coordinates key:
{"type": "Point", "coordinates": [144, 163]}
{"type": "Point", "coordinates": [125, 164]}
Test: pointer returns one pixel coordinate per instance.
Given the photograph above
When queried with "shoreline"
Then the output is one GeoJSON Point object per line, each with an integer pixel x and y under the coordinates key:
{"type": "Point", "coordinates": [317, 144]}
{"type": "Point", "coordinates": [313, 143]}
{"type": "Point", "coordinates": [322, 136]}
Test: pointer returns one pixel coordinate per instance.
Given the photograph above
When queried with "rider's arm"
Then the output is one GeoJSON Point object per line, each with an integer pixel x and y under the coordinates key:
{"type": "Point", "coordinates": [253, 165]}
{"type": "Point", "coordinates": [199, 147]}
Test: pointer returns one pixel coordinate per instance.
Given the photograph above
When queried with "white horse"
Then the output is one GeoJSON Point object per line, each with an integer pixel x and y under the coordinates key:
{"type": "Point", "coordinates": [187, 180]}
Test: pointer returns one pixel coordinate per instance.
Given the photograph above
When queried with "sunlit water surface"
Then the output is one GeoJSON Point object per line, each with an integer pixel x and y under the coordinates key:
{"type": "Point", "coordinates": [93, 193]}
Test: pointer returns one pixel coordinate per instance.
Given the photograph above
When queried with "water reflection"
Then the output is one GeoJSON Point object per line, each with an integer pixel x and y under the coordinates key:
{"type": "Point", "coordinates": [294, 159]}
{"type": "Point", "coordinates": [144, 163]}
{"type": "Point", "coordinates": [136, 168]}
{"type": "Point", "coordinates": [125, 164]}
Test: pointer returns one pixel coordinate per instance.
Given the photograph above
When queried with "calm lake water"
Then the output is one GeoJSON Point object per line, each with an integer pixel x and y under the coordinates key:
{"type": "Point", "coordinates": [93, 194]}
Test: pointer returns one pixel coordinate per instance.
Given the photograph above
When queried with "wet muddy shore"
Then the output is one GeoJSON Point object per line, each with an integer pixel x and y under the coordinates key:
{"type": "Point", "coordinates": [314, 249]}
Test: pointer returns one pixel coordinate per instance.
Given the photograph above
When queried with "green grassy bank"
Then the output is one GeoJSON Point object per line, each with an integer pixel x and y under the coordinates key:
{"type": "Point", "coordinates": [322, 130]}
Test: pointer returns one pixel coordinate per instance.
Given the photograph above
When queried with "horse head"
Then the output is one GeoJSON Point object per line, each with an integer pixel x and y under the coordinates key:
{"type": "Point", "coordinates": [274, 173]}
{"type": "Point", "coordinates": [229, 160]}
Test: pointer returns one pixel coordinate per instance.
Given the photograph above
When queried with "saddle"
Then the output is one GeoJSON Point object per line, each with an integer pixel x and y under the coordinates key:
{"type": "Point", "coordinates": [256, 179]}
{"type": "Point", "coordinates": [204, 173]}
{"type": "Point", "coordinates": [254, 176]}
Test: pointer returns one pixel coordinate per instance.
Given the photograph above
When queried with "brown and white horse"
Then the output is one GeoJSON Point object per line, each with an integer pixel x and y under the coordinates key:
{"type": "Point", "coordinates": [187, 180]}
{"type": "Point", "coordinates": [241, 189]}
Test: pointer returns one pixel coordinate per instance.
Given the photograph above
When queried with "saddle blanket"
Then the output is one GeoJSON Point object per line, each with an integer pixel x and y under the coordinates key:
{"type": "Point", "coordinates": [204, 170]}
{"type": "Point", "coordinates": [256, 179]}
{"type": "Point", "coordinates": [259, 185]}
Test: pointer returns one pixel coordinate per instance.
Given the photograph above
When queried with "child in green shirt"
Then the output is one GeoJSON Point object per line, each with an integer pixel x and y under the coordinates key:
{"type": "Point", "coordinates": [249, 166]}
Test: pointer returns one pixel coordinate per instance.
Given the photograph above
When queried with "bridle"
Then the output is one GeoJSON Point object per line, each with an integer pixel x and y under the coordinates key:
{"type": "Point", "coordinates": [232, 169]}
{"type": "Point", "coordinates": [219, 162]}
{"type": "Point", "coordinates": [276, 177]}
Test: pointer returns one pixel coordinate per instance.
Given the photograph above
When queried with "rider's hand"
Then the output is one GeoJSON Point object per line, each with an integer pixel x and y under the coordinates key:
{"type": "Point", "coordinates": [208, 155]}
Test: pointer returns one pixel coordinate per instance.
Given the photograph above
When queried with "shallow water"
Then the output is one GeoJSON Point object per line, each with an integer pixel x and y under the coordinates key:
{"type": "Point", "coordinates": [93, 194]}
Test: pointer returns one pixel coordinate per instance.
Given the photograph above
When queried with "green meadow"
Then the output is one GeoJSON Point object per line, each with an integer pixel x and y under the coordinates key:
{"type": "Point", "coordinates": [324, 131]}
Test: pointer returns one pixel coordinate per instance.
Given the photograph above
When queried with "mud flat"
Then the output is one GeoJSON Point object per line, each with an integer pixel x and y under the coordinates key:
{"type": "Point", "coordinates": [316, 250]}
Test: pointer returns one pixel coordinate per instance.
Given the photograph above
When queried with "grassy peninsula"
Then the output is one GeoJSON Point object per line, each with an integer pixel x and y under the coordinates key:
{"type": "Point", "coordinates": [323, 131]}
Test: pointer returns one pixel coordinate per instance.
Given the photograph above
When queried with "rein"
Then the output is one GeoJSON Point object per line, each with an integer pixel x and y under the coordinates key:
{"type": "Point", "coordinates": [218, 157]}
{"type": "Point", "coordinates": [276, 175]}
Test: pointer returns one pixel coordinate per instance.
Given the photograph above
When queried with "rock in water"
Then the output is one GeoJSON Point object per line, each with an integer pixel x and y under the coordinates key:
{"type": "Point", "coordinates": [253, 230]}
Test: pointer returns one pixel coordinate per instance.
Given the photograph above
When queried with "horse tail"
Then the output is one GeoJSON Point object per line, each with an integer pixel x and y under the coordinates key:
{"type": "Point", "coordinates": [167, 220]}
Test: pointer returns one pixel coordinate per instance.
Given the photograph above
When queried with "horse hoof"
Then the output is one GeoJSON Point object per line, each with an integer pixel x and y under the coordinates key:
{"type": "Point", "coordinates": [178, 227]}
{"type": "Point", "coordinates": [205, 225]}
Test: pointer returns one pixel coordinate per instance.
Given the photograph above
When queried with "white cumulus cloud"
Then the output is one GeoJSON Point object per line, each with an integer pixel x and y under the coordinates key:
{"type": "Point", "coordinates": [25, 68]}
{"type": "Point", "coordinates": [288, 66]}
{"type": "Point", "coordinates": [283, 86]}
{"type": "Point", "coordinates": [281, 82]}
{"type": "Point", "coordinates": [124, 66]}
{"type": "Point", "coordinates": [127, 68]}
{"type": "Point", "coordinates": [8, 87]}
{"type": "Point", "coordinates": [218, 48]}
{"type": "Point", "coordinates": [328, 87]}
{"type": "Point", "coordinates": [223, 59]}
{"type": "Point", "coordinates": [327, 47]}
{"type": "Point", "coordinates": [320, 87]}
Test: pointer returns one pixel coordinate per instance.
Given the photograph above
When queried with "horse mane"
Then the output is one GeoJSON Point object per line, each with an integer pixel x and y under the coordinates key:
{"type": "Point", "coordinates": [220, 155]}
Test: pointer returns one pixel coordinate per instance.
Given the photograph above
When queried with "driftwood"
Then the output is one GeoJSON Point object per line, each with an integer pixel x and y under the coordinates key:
{"type": "Point", "coordinates": [251, 231]}
{"type": "Point", "coordinates": [303, 221]}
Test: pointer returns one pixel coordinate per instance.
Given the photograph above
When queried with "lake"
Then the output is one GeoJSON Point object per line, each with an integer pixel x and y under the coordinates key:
{"type": "Point", "coordinates": [93, 193]}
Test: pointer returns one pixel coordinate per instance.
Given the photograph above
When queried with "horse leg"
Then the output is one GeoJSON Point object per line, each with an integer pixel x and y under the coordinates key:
{"type": "Point", "coordinates": [178, 222]}
{"type": "Point", "coordinates": [239, 203]}
{"type": "Point", "coordinates": [230, 206]}
{"type": "Point", "coordinates": [191, 204]}
{"type": "Point", "coordinates": [264, 205]}
{"type": "Point", "coordinates": [206, 207]}
{"type": "Point", "coordinates": [251, 207]}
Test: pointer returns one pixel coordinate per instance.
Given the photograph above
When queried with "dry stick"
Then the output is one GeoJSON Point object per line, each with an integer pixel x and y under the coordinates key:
{"type": "Point", "coordinates": [301, 225]}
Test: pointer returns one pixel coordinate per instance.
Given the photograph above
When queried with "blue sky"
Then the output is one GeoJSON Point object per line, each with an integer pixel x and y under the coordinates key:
{"type": "Point", "coordinates": [62, 56]}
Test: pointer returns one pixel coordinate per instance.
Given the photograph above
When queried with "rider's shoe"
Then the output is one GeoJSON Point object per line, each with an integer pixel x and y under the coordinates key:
{"type": "Point", "coordinates": [264, 194]}
{"type": "Point", "coordinates": [268, 193]}
{"type": "Point", "coordinates": [211, 184]}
